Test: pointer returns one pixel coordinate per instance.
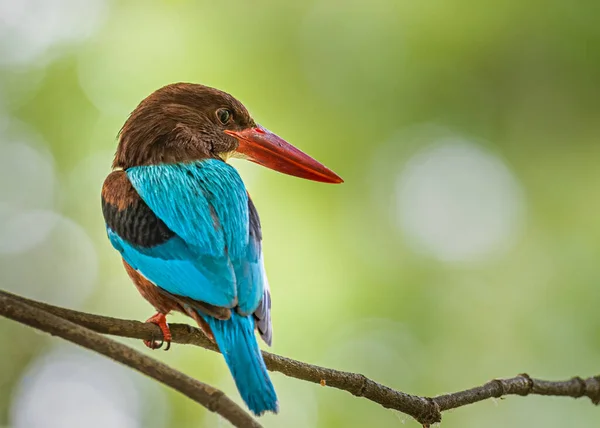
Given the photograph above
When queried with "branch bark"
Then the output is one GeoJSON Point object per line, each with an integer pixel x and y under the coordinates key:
{"type": "Point", "coordinates": [426, 410]}
{"type": "Point", "coordinates": [18, 309]}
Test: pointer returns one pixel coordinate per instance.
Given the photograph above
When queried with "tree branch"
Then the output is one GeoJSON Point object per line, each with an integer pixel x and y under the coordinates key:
{"type": "Point", "coordinates": [426, 410]}
{"type": "Point", "coordinates": [18, 309]}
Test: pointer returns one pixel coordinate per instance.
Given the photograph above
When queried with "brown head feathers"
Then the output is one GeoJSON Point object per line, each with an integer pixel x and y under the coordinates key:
{"type": "Point", "coordinates": [180, 122]}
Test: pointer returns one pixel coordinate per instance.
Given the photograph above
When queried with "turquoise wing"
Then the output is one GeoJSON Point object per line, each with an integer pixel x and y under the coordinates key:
{"type": "Point", "coordinates": [213, 256]}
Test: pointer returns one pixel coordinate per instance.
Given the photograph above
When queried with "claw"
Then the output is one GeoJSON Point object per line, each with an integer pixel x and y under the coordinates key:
{"type": "Point", "coordinates": [153, 344]}
{"type": "Point", "coordinates": [161, 321]}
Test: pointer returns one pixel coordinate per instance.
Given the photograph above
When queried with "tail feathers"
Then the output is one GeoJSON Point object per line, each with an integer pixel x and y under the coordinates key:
{"type": "Point", "coordinates": [236, 340]}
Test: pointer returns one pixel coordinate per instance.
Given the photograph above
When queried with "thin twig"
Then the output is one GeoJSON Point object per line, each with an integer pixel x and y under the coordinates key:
{"type": "Point", "coordinates": [18, 309]}
{"type": "Point", "coordinates": [426, 410]}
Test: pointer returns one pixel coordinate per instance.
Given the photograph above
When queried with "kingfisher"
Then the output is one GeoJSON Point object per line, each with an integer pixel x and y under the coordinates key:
{"type": "Point", "coordinates": [185, 226]}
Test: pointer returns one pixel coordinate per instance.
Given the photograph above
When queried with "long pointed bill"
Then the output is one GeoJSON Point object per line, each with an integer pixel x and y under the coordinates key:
{"type": "Point", "coordinates": [265, 148]}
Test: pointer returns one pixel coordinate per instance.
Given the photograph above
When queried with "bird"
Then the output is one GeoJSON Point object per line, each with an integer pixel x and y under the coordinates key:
{"type": "Point", "coordinates": [186, 228]}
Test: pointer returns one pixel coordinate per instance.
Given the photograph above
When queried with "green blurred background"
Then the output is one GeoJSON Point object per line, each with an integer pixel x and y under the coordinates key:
{"type": "Point", "coordinates": [463, 246]}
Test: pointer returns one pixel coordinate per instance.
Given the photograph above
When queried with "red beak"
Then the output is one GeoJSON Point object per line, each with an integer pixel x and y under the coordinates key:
{"type": "Point", "coordinates": [267, 149]}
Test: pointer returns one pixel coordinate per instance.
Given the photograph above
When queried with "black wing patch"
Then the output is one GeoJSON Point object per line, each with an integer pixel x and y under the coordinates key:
{"type": "Point", "coordinates": [128, 215]}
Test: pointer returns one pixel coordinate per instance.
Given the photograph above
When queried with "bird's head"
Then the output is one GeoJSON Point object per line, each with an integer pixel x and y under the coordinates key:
{"type": "Point", "coordinates": [186, 122]}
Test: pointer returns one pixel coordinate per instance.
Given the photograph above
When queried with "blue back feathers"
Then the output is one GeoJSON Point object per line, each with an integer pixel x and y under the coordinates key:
{"type": "Point", "coordinates": [214, 256]}
{"type": "Point", "coordinates": [205, 203]}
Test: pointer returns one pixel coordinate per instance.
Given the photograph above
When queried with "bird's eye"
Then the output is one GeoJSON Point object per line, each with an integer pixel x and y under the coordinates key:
{"type": "Point", "coordinates": [224, 115]}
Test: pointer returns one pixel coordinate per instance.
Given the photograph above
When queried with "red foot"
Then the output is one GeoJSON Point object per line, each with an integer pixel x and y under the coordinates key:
{"type": "Point", "coordinates": [161, 321]}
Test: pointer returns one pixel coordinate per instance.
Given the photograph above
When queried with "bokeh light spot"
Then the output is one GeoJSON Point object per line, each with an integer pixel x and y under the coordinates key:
{"type": "Point", "coordinates": [457, 202]}
{"type": "Point", "coordinates": [25, 230]}
{"type": "Point", "coordinates": [30, 28]}
{"type": "Point", "coordinates": [27, 182]}
{"type": "Point", "coordinates": [60, 269]}
{"type": "Point", "coordinates": [69, 388]}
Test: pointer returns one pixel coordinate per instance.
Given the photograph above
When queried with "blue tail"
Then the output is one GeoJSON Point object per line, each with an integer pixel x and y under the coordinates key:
{"type": "Point", "coordinates": [236, 340]}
